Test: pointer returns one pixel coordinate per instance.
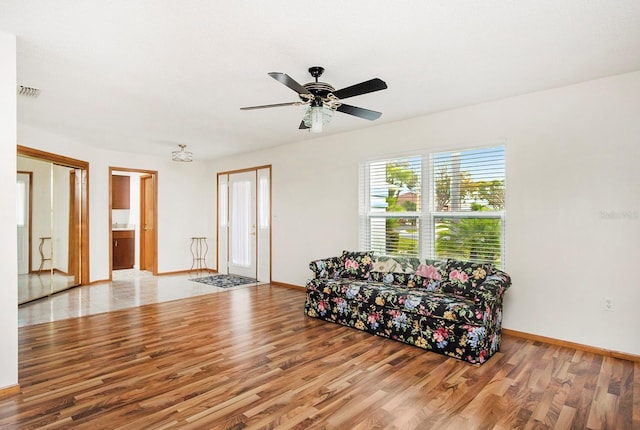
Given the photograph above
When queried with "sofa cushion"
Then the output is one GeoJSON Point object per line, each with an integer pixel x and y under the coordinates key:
{"type": "Point", "coordinates": [356, 265]}
{"type": "Point", "coordinates": [401, 279]}
{"type": "Point", "coordinates": [407, 271]}
{"type": "Point", "coordinates": [430, 271]}
{"type": "Point", "coordinates": [386, 264]}
{"type": "Point", "coordinates": [463, 277]}
{"type": "Point", "coordinates": [327, 267]}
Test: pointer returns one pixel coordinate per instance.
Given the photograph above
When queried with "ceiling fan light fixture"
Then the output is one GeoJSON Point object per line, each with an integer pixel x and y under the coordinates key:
{"type": "Point", "coordinates": [182, 155]}
{"type": "Point", "coordinates": [316, 120]}
{"type": "Point", "coordinates": [316, 117]}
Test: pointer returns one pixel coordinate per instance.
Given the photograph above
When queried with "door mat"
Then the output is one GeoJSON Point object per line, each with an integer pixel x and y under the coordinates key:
{"type": "Point", "coordinates": [225, 281]}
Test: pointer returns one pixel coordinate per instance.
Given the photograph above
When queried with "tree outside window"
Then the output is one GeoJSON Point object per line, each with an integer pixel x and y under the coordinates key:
{"type": "Point", "coordinates": [469, 205]}
{"type": "Point", "coordinates": [464, 218]}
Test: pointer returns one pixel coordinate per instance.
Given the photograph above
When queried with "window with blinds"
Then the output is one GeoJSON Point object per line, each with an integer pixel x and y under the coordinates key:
{"type": "Point", "coordinates": [461, 216]}
{"type": "Point", "coordinates": [392, 206]}
{"type": "Point", "coordinates": [467, 210]}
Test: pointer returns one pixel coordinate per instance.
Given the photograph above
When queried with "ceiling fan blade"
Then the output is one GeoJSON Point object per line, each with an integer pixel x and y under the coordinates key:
{"type": "Point", "coordinates": [361, 88]}
{"type": "Point", "coordinates": [273, 105]}
{"type": "Point", "coordinates": [287, 80]}
{"type": "Point", "coordinates": [302, 126]}
{"type": "Point", "coordinates": [359, 112]}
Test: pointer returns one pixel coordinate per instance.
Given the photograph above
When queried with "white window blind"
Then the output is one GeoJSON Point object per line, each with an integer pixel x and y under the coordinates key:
{"type": "Point", "coordinates": [467, 208]}
{"type": "Point", "coordinates": [391, 205]}
{"type": "Point", "coordinates": [461, 216]}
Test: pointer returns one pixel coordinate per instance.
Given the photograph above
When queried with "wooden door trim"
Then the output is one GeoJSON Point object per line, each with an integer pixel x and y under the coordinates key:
{"type": "Point", "coordinates": [248, 169]}
{"type": "Point", "coordinates": [83, 166]}
{"type": "Point", "coordinates": [73, 225]}
{"type": "Point", "coordinates": [142, 238]}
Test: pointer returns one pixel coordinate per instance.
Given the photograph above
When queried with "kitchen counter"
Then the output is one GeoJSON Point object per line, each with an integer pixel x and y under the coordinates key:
{"type": "Point", "coordinates": [120, 226]}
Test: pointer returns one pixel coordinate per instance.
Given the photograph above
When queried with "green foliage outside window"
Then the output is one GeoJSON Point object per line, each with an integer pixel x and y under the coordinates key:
{"type": "Point", "coordinates": [401, 233]}
{"type": "Point", "coordinates": [465, 238]}
{"type": "Point", "coordinates": [473, 238]}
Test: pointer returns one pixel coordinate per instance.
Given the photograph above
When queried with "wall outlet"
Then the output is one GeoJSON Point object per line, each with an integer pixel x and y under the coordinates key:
{"type": "Point", "coordinates": [608, 304]}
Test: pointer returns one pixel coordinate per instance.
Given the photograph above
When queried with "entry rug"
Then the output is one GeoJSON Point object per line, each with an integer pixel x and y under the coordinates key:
{"type": "Point", "coordinates": [225, 281]}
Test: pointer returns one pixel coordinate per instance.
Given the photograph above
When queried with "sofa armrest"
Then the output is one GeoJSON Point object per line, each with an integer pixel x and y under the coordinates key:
{"type": "Point", "coordinates": [493, 287]}
{"type": "Point", "coordinates": [326, 267]}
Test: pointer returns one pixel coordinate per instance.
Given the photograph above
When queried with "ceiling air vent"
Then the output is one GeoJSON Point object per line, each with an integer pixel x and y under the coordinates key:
{"type": "Point", "coordinates": [28, 91]}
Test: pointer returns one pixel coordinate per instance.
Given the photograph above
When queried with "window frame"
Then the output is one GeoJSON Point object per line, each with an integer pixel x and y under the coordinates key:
{"type": "Point", "coordinates": [366, 214]}
{"type": "Point", "coordinates": [427, 215]}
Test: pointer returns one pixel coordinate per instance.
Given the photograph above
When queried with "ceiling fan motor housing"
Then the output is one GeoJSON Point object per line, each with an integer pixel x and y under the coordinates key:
{"type": "Point", "coordinates": [319, 89]}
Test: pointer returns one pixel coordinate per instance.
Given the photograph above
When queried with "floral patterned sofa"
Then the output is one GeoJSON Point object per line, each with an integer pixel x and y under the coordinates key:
{"type": "Point", "coordinates": [451, 307]}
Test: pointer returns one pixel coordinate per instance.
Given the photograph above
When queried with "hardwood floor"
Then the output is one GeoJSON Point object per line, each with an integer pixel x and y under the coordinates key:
{"type": "Point", "coordinates": [249, 358]}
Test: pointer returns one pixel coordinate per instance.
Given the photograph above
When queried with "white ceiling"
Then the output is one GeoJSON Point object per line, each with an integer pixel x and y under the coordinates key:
{"type": "Point", "coordinates": [146, 75]}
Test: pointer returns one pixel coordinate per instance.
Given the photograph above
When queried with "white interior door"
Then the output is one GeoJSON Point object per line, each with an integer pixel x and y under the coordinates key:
{"type": "Point", "coordinates": [22, 212]}
{"type": "Point", "coordinates": [242, 224]}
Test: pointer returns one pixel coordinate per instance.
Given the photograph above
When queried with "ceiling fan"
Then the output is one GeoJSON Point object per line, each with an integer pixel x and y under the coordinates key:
{"type": "Point", "coordinates": [323, 99]}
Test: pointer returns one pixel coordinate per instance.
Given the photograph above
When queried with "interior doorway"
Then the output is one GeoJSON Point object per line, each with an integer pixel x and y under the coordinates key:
{"type": "Point", "coordinates": [132, 221]}
{"type": "Point", "coordinates": [244, 223]}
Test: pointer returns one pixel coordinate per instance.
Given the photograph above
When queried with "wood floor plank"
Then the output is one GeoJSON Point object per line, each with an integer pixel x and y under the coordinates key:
{"type": "Point", "coordinates": [249, 359]}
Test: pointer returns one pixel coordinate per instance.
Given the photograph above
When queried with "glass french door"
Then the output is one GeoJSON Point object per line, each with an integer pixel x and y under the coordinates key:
{"type": "Point", "coordinates": [242, 224]}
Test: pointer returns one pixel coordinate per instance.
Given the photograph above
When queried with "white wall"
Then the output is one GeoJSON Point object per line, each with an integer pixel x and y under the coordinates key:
{"type": "Point", "coordinates": [185, 205]}
{"type": "Point", "coordinates": [8, 251]}
{"type": "Point", "coordinates": [573, 201]}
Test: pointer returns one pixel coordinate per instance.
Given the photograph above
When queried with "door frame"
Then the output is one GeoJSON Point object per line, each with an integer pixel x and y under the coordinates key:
{"type": "Point", "coordinates": [82, 199]}
{"type": "Point", "coordinates": [270, 245]}
{"type": "Point", "coordinates": [143, 172]}
{"type": "Point", "coordinates": [74, 222]}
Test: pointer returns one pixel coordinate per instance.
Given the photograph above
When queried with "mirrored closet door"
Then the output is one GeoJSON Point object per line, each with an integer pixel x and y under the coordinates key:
{"type": "Point", "coordinates": [50, 225]}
